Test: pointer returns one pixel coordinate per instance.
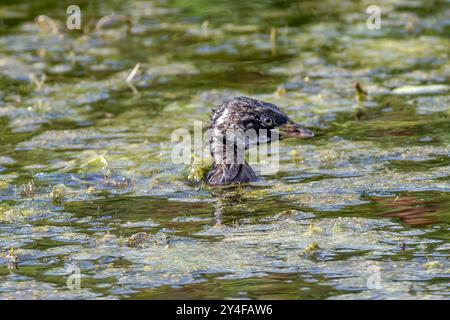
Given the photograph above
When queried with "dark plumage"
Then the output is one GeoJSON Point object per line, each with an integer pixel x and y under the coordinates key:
{"type": "Point", "coordinates": [243, 113]}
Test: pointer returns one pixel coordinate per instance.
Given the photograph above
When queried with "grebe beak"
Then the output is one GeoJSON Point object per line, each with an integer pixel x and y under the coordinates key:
{"type": "Point", "coordinates": [294, 130]}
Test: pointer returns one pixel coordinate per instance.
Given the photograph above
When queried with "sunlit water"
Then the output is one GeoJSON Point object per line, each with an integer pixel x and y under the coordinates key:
{"type": "Point", "coordinates": [360, 211]}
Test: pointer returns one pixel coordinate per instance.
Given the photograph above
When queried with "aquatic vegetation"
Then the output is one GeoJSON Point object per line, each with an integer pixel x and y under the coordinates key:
{"type": "Point", "coordinates": [11, 213]}
{"type": "Point", "coordinates": [95, 164]}
{"type": "Point", "coordinates": [421, 90]}
{"type": "Point", "coordinates": [28, 189]}
{"type": "Point", "coordinates": [13, 258]}
{"type": "Point", "coordinates": [313, 247]}
{"type": "Point", "coordinates": [199, 170]}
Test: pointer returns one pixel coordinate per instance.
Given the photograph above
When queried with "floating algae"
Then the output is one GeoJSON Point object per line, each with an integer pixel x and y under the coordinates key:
{"type": "Point", "coordinates": [432, 265]}
{"type": "Point", "coordinates": [311, 248]}
{"type": "Point", "coordinates": [421, 90]}
{"type": "Point", "coordinates": [58, 193]}
{"type": "Point", "coordinates": [313, 229]}
{"type": "Point", "coordinates": [143, 239]}
{"type": "Point", "coordinates": [4, 184]}
{"type": "Point", "coordinates": [14, 213]}
{"type": "Point", "coordinates": [95, 164]}
{"type": "Point", "coordinates": [198, 171]}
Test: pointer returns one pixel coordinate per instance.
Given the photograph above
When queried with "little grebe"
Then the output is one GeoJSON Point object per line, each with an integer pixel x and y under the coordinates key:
{"type": "Point", "coordinates": [243, 113]}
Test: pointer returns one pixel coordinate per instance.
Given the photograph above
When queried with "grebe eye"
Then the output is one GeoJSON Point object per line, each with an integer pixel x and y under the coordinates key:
{"type": "Point", "coordinates": [268, 121]}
